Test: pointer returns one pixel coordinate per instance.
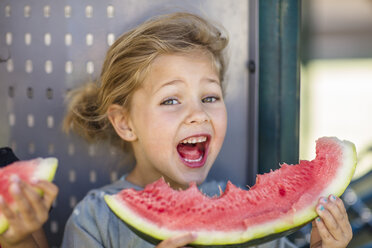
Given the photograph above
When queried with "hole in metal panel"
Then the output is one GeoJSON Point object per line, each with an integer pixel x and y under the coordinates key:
{"type": "Point", "coordinates": [55, 203]}
{"type": "Point", "coordinates": [90, 67]}
{"type": "Point", "coordinates": [72, 176]}
{"type": "Point", "coordinates": [47, 39]}
{"type": "Point", "coordinates": [46, 11]}
{"type": "Point", "coordinates": [9, 65]}
{"type": "Point", "coordinates": [7, 10]}
{"type": "Point", "coordinates": [110, 11]}
{"type": "Point", "coordinates": [89, 11]}
{"type": "Point", "coordinates": [30, 92]}
{"type": "Point", "coordinates": [73, 201]}
{"type": "Point", "coordinates": [114, 176]}
{"type": "Point", "coordinates": [92, 176]}
{"type": "Point", "coordinates": [8, 38]}
{"type": "Point", "coordinates": [28, 66]}
{"type": "Point", "coordinates": [50, 121]}
{"type": "Point", "coordinates": [31, 148]}
{"type": "Point", "coordinates": [91, 150]}
{"type": "Point", "coordinates": [12, 119]}
{"type": "Point", "coordinates": [49, 93]}
{"type": "Point", "coordinates": [28, 39]}
{"type": "Point", "coordinates": [48, 66]}
{"type": "Point", "coordinates": [110, 39]}
{"type": "Point", "coordinates": [11, 91]}
{"type": "Point", "coordinates": [67, 11]}
{"type": "Point", "coordinates": [54, 226]}
{"type": "Point", "coordinates": [13, 146]}
{"type": "Point", "coordinates": [71, 149]}
{"type": "Point", "coordinates": [68, 67]}
{"type": "Point", "coordinates": [27, 11]}
{"type": "Point", "coordinates": [89, 39]}
{"type": "Point", "coordinates": [30, 120]}
{"type": "Point", "coordinates": [68, 39]}
{"type": "Point", "coordinates": [51, 149]}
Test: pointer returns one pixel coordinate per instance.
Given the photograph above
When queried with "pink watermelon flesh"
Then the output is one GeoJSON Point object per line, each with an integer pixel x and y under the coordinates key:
{"type": "Point", "coordinates": [42, 169]}
{"type": "Point", "coordinates": [285, 198]}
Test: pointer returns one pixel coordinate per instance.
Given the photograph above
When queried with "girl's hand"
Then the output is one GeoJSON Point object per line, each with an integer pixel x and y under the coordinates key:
{"type": "Point", "coordinates": [32, 210]}
{"type": "Point", "coordinates": [177, 241]}
{"type": "Point", "coordinates": [332, 227]}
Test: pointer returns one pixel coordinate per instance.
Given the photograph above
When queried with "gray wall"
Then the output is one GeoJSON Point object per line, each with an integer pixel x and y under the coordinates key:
{"type": "Point", "coordinates": [35, 79]}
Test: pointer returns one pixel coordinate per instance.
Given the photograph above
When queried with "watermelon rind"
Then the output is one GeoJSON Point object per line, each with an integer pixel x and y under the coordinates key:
{"type": "Point", "coordinates": [46, 170]}
{"type": "Point", "coordinates": [256, 234]}
{"type": "Point", "coordinates": [4, 224]}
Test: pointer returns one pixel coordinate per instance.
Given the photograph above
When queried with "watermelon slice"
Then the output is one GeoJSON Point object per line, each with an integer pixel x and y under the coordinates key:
{"type": "Point", "coordinates": [39, 168]}
{"type": "Point", "coordinates": [279, 203]}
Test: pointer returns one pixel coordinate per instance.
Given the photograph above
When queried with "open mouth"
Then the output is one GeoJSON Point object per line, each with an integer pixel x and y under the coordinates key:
{"type": "Point", "coordinates": [193, 150]}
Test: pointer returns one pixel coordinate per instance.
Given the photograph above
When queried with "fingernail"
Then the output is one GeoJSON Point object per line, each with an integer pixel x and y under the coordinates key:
{"type": "Point", "coordinates": [15, 188]}
{"type": "Point", "coordinates": [318, 219]}
{"type": "Point", "coordinates": [323, 199]}
{"type": "Point", "coordinates": [333, 198]}
{"type": "Point", "coordinates": [34, 180]}
{"type": "Point", "coordinates": [321, 208]}
{"type": "Point", "coordinates": [14, 178]}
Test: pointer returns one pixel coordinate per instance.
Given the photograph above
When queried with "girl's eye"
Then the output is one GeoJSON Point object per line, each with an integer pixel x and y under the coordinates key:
{"type": "Point", "coordinates": [170, 102]}
{"type": "Point", "coordinates": [210, 99]}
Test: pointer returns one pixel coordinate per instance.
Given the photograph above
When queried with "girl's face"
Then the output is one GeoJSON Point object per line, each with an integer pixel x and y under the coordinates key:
{"type": "Point", "coordinates": [179, 119]}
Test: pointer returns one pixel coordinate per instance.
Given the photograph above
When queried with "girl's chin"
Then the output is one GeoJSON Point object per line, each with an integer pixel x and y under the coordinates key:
{"type": "Point", "coordinates": [197, 178]}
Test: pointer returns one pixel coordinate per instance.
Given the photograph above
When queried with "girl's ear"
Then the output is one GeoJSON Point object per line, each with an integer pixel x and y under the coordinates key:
{"type": "Point", "coordinates": [119, 119]}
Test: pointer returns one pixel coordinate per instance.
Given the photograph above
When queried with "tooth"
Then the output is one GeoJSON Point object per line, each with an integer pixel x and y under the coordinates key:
{"type": "Point", "coordinates": [194, 160]}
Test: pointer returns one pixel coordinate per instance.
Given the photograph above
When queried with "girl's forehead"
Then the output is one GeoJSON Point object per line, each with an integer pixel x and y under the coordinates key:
{"type": "Point", "coordinates": [181, 66]}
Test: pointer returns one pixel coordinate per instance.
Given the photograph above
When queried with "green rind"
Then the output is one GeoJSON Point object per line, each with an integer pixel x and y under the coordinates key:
{"type": "Point", "coordinates": [46, 170]}
{"type": "Point", "coordinates": [255, 235]}
{"type": "Point", "coordinates": [3, 224]}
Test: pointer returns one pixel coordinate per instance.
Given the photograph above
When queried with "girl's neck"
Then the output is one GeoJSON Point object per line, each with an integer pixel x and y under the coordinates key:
{"type": "Point", "coordinates": [142, 178]}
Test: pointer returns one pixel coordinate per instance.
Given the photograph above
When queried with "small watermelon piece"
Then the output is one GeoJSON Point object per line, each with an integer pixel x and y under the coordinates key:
{"type": "Point", "coordinates": [39, 168]}
{"type": "Point", "coordinates": [281, 201]}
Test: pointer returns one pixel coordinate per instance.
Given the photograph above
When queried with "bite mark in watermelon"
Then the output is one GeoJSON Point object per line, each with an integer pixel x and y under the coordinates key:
{"type": "Point", "coordinates": [279, 202]}
{"type": "Point", "coordinates": [39, 168]}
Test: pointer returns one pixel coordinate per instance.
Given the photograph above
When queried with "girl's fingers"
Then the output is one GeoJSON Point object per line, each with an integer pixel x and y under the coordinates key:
{"type": "Point", "coordinates": [323, 232]}
{"type": "Point", "coordinates": [177, 241]}
{"type": "Point", "coordinates": [5, 210]}
{"type": "Point", "coordinates": [339, 212]}
{"type": "Point", "coordinates": [26, 211]}
{"type": "Point", "coordinates": [50, 191]}
{"type": "Point", "coordinates": [315, 239]}
{"type": "Point", "coordinates": [39, 207]}
{"type": "Point", "coordinates": [330, 215]}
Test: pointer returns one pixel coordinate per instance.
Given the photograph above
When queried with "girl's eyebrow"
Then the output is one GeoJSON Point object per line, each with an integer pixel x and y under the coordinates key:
{"type": "Point", "coordinates": [177, 81]}
{"type": "Point", "coordinates": [172, 82]}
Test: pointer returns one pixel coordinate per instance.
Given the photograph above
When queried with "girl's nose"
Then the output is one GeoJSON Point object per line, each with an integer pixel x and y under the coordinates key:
{"type": "Point", "coordinates": [197, 114]}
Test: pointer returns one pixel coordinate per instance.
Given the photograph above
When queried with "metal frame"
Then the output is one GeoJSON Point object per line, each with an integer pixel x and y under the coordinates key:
{"type": "Point", "coordinates": [279, 87]}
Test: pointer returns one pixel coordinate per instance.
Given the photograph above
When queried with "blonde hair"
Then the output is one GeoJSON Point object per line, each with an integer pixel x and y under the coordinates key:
{"type": "Point", "coordinates": [126, 64]}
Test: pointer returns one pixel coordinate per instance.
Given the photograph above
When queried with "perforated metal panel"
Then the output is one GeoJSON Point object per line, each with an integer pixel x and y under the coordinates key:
{"type": "Point", "coordinates": [54, 46]}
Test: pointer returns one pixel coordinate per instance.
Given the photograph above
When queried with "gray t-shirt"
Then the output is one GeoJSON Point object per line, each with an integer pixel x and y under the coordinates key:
{"type": "Point", "coordinates": [92, 224]}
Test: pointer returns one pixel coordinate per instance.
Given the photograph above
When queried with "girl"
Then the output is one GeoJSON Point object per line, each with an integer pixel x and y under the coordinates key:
{"type": "Point", "coordinates": [25, 226]}
{"type": "Point", "coordinates": [162, 85]}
